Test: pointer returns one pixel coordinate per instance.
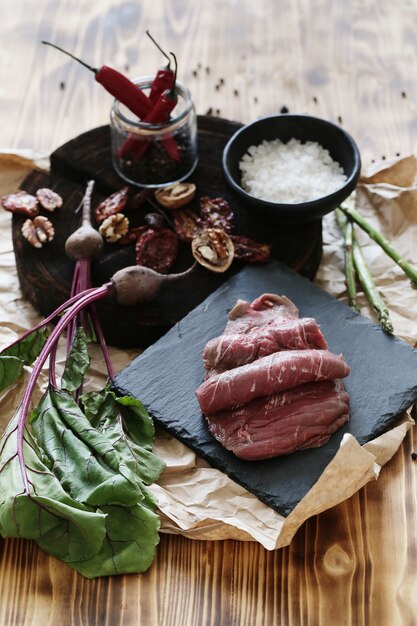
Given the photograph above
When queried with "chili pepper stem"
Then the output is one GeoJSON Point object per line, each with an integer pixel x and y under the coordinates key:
{"type": "Point", "coordinates": [89, 67]}
{"type": "Point", "coordinates": [159, 48]}
{"type": "Point", "coordinates": [175, 74]}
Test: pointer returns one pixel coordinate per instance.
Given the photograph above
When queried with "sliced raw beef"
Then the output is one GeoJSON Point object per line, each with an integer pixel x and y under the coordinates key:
{"type": "Point", "coordinates": [268, 375]}
{"type": "Point", "coordinates": [228, 351]}
{"type": "Point", "coordinates": [267, 325]}
{"type": "Point", "coordinates": [263, 311]}
{"type": "Point", "coordinates": [272, 386]}
{"type": "Point", "coordinates": [303, 417]}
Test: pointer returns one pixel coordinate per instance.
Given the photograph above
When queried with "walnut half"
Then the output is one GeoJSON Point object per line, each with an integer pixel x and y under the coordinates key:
{"type": "Point", "coordinates": [38, 231]}
{"type": "Point", "coordinates": [213, 249]}
{"type": "Point", "coordinates": [175, 196]}
{"type": "Point", "coordinates": [114, 227]}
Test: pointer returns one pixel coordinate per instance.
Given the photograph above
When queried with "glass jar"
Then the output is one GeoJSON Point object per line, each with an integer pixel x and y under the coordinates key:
{"type": "Point", "coordinates": [155, 155]}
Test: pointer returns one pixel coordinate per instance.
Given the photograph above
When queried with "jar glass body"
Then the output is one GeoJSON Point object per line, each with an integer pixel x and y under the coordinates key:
{"type": "Point", "coordinates": [155, 155]}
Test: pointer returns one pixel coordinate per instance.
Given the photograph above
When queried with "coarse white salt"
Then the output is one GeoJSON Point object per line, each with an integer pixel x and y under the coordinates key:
{"type": "Point", "coordinates": [290, 172]}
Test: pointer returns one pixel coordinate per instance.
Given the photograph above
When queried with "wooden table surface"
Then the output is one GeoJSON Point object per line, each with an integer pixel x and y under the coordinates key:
{"type": "Point", "coordinates": [351, 62]}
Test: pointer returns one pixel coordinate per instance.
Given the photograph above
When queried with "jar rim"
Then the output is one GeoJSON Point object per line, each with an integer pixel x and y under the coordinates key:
{"type": "Point", "coordinates": [145, 82]}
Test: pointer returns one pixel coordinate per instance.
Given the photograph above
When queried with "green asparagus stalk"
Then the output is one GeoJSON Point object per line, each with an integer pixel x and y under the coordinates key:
{"type": "Point", "coordinates": [407, 268]}
{"type": "Point", "coordinates": [370, 289]}
{"type": "Point", "coordinates": [346, 228]}
{"type": "Point", "coordinates": [355, 265]}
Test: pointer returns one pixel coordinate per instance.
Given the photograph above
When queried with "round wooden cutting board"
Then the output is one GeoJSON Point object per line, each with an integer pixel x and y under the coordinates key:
{"type": "Point", "coordinates": [45, 274]}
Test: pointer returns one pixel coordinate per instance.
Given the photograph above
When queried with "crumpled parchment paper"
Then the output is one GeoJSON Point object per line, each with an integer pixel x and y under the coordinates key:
{"type": "Point", "coordinates": [194, 499]}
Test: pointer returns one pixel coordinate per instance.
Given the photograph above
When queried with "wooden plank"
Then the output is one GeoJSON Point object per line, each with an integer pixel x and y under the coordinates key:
{"type": "Point", "coordinates": [356, 564]}
{"type": "Point", "coordinates": [350, 565]}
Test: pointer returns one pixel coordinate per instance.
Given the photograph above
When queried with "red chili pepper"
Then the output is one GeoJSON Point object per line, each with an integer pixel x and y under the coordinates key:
{"type": "Point", "coordinates": [165, 77]}
{"type": "Point", "coordinates": [159, 114]}
{"type": "Point", "coordinates": [162, 108]}
{"type": "Point", "coordinates": [117, 85]}
{"type": "Point", "coordinates": [163, 80]}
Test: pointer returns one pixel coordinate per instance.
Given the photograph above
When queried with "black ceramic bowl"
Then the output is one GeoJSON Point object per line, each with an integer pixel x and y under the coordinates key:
{"type": "Point", "coordinates": [338, 142]}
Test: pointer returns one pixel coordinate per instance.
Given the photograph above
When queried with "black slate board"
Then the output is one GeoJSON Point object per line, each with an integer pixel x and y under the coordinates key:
{"type": "Point", "coordinates": [382, 382]}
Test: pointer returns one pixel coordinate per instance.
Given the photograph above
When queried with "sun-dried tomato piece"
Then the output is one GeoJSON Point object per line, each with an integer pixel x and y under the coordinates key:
{"type": "Point", "coordinates": [249, 250]}
{"type": "Point", "coordinates": [157, 249]}
{"type": "Point", "coordinates": [217, 213]}
{"type": "Point", "coordinates": [132, 235]}
{"type": "Point", "coordinates": [22, 203]}
{"type": "Point", "coordinates": [111, 205]}
{"type": "Point", "coordinates": [187, 224]}
{"type": "Point", "coordinates": [50, 200]}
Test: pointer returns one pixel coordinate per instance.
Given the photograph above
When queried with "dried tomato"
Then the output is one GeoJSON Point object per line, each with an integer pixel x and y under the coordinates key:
{"type": "Point", "coordinates": [22, 203]}
{"type": "Point", "coordinates": [187, 224]}
{"type": "Point", "coordinates": [132, 235]}
{"type": "Point", "coordinates": [217, 213]}
{"type": "Point", "coordinates": [111, 205]}
{"type": "Point", "coordinates": [250, 251]}
{"type": "Point", "coordinates": [157, 249]}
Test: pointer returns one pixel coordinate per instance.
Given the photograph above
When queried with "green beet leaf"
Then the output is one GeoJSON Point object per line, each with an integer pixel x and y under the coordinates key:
{"type": "Point", "coordinates": [131, 434]}
{"type": "Point", "coordinates": [33, 504]}
{"type": "Point", "coordinates": [28, 348]}
{"type": "Point", "coordinates": [89, 468]}
{"type": "Point", "coordinates": [10, 369]}
{"type": "Point", "coordinates": [99, 465]}
{"type": "Point", "coordinates": [78, 362]}
{"type": "Point", "coordinates": [132, 535]}
{"type": "Point", "coordinates": [23, 352]}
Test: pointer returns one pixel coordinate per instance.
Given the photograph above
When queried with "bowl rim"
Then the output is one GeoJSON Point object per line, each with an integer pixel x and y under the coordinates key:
{"type": "Point", "coordinates": [305, 205]}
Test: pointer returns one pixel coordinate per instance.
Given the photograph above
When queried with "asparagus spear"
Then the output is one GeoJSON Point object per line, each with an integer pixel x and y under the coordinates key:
{"type": "Point", "coordinates": [357, 263]}
{"type": "Point", "coordinates": [370, 289]}
{"type": "Point", "coordinates": [346, 228]}
{"type": "Point", "coordinates": [407, 268]}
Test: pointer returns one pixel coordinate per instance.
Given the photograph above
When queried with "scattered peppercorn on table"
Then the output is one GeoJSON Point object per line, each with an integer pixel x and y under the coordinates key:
{"type": "Point", "coordinates": [354, 564]}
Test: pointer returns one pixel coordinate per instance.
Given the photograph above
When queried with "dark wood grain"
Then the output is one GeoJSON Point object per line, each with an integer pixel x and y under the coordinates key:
{"type": "Point", "coordinates": [45, 274]}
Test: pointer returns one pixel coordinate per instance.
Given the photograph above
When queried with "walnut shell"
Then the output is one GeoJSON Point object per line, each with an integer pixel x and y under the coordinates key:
{"type": "Point", "coordinates": [176, 195]}
{"type": "Point", "coordinates": [213, 249]}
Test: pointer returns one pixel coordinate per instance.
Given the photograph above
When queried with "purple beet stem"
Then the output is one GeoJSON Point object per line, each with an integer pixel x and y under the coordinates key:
{"type": "Point", "coordinates": [83, 300]}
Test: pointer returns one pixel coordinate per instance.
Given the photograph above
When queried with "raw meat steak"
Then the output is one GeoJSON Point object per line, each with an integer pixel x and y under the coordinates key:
{"type": "Point", "coordinates": [269, 324]}
{"type": "Point", "coordinates": [227, 351]}
{"type": "Point", "coordinates": [272, 386]}
{"type": "Point", "coordinates": [302, 417]}
{"type": "Point", "coordinates": [276, 372]}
